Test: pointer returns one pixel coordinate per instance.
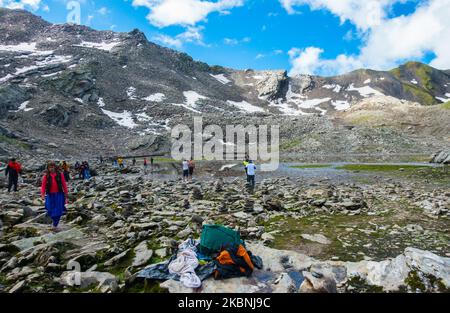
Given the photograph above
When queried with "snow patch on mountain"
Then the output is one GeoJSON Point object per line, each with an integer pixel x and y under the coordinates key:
{"type": "Point", "coordinates": [365, 91]}
{"type": "Point", "coordinates": [245, 106]}
{"type": "Point", "coordinates": [221, 78]}
{"type": "Point", "coordinates": [123, 119]}
{"type": "Point", "coordinates": [340, 105]}
{"type": "Point", "coordinates": [105, 46]}
{"type": "Point", "coordinates": [131, 93]}
{"type": "Point", "coordinates": [192, 97]}
{"type": "Point", "coordinates": [156, 97]}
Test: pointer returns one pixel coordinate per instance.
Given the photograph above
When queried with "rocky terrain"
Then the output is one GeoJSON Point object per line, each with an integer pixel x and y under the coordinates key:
{"type": "Point", "coordinates": [66, 86]}
{"type": "Point", "coordinates": [379, 233]}
{"type": "Point", "coordinates": [71, 92]}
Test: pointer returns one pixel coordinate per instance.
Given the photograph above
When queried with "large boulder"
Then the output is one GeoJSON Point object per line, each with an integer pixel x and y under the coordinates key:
{"type": "Point", "coordinates": [104, 282]}
{"type": "Point", "coordinates": [442, 157]}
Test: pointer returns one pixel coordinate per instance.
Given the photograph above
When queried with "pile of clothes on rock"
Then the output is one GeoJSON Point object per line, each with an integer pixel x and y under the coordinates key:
{"type": "Point", "coordinates": [220, 253]}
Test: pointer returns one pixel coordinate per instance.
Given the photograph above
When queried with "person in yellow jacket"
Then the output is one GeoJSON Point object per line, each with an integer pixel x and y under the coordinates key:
{"type": "Point", "coordinates": [245, 163]}
{"type": "Point", "coordinates": [120, 162]}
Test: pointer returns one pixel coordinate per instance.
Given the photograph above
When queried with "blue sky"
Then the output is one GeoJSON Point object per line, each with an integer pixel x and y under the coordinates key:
{"type": "Point", "coordinates": [302, 36]}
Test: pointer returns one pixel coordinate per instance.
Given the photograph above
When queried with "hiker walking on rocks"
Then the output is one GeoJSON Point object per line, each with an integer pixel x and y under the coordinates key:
{"type": "Point", "coordinates": [251, 172]}
{"type": "Point", "coordinates": [120, 162]}
{"type": "Point", "coordinates": [12, 171]}
{"type": "Point", "coordinates": [66, 170]}
{"type": "Point", "coordinates": [145, 162]}
{"type": "Point", "coordinates": [191, 166]}
{"type": "Point", "coordinates": [185, 170]}
{"type": "Point", "coordinates": [55, 193]}
{"type": "Point", "coordinates": [134, 161]}
{"type": "Point", "coordinates": [86, 171]}
{"type": "Point", "coordinates": [245, 163]}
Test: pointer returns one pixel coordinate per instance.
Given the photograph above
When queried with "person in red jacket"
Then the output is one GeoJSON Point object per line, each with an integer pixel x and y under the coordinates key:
{"type": "Point", "coordinates": [55, 193]}
{"type": "Point", "coordinates": [12, 171]}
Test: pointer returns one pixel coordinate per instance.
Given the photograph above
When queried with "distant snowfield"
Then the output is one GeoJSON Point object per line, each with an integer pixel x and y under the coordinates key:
{"type": "Point", "coordinates": [191, 98]}
{"type": "Point", "coordinates": [221, 78]}
{"type": "Point", "coordinates": [101, 102]}
{"type": "Point", "coordinates": [336, 88]}
{"type": "Point", "coordinates": [23, 107]}
{"type": "Point", "coordinates": [131, 93]}
{"type": "Point", "coordinates": [367, 81]}
{"type": "Point", "coordinates": [313, 103]}
{"type": "Point", "coordinates": [143, 117]}
{"type": "Point", "coordinates": [105, 46]}
{"type": "Point", "coordinates": [123, 119]}
{"type": "Point", "coordinates": [24, 47]}
{"type": "Point", "coordinates": [156, 97]}
{"type": "Point", "coordinates": [6, 78]}
{"type": "Point", "coordinates": [340, 105]}
{"type": "Point", "coordinates": [365, 91]}
{"type": "Point", "coordinates": [444, 99]}
{"type": "Point", "coordinates": [287, 109]}
{"type": "Point", "coordinates": [245, 106]}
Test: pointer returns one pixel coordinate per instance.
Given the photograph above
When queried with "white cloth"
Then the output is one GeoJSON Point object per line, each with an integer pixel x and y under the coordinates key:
{"type": "Point", "coordinates": [190, 280]}
{"type": "Point", "coordinates": [185, 265]}
{"type": "Point", "coordinates": [185, 166]}
{"type": "Point", "coordinates": [188, 244]}
{"type": "Point", "coordinates": [251, 169]}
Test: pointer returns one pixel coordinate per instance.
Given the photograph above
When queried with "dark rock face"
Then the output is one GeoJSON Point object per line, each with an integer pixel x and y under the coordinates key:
{"type": "Point", "coordinates": [11, 97]}
{"type": "Point", "coordinates": [57, 115]}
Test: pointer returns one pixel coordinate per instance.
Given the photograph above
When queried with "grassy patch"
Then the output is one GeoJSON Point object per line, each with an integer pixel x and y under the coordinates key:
{"type": "Point", "coordinates": [379, 167]}
{"type": "Point", "coordinates": [446, 106]}
{"type": "Point", "coordinates": [164, 160]}
{"type": "Point", "coordinates": [290, 144]}
{"type": "Point", "coordinates": [311, 166]}
{"type": "Point", "coordinates": [15, 142]}
{"type": "Point", "coordinates": [423, 96]}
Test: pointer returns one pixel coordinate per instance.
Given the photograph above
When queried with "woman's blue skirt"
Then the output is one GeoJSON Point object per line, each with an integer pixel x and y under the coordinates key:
{"type": "Point", "coordinates": [55, 204]}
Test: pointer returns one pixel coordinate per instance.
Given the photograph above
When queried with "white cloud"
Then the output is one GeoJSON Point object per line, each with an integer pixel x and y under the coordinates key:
{"type": "Point", "coordinates": [363, 13]}
{"type": "Point", "coordinates": [234, 41]}
{"type": "Point", "coordinates": [183, 12]}
{"type": "Point", "coordinates": [168, 41]}
{"type": "Point", "coordinates": [21, 4]}
{"type": "Point", "coordinates": [103, 11]}
{"type": "Point", "coordinates": [308, 61]}
{"type": "Point", "coordinates": [260, 56]}
{"type": "Point", "coordinates": [191, 35]}
{"type": "Point", "coordinates": [387, 44]}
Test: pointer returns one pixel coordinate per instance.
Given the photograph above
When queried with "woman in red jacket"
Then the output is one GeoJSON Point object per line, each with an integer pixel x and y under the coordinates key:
{"type": "Point", "coordinates": [54, 191]}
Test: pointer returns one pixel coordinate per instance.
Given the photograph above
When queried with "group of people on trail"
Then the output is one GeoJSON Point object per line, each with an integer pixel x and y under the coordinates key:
{"type": "Point", "coordinates": [83, 170]}
{"type": "Point", "coordinates": [12, 171]}
{"type": "Point", "coordinates": [188, 169]}
{"type": "Point", "coordinates": [120, 162]}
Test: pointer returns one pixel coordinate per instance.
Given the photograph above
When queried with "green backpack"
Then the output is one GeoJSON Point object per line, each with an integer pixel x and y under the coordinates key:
{"type": "Point", "coordinates": [216, 237]}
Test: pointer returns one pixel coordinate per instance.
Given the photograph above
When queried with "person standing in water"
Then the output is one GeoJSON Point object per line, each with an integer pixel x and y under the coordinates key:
{"type": "Point", "coordinates": [55, 193]}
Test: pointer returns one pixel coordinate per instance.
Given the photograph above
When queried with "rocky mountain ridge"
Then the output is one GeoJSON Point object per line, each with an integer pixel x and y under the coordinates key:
{"type": "Point", "coordinates": [118, 92]}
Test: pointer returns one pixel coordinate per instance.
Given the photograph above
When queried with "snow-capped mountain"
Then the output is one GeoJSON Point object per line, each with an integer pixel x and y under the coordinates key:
{"type": "Point", "coordinates": [69, 85]}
